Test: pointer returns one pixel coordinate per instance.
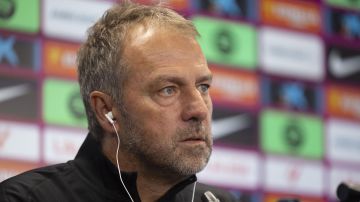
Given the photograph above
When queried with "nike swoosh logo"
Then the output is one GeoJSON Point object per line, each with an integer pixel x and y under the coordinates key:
{"type": "Point", "coordinates": [8, 93]}
{"type": "Point", "coordinates": [222, 127]}
{"type": "Point", "coordinates": [343, 67]}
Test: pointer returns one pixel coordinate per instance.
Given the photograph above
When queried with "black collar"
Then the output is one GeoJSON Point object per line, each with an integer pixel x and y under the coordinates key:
{"type": "Point", "coordinates": [100, 172]}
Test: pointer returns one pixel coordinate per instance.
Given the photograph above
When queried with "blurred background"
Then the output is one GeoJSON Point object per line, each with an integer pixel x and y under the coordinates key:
{"type": "Point", "coordinates": [286, 90]}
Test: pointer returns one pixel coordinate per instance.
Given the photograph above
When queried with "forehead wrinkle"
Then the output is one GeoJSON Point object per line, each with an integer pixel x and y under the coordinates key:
{"type": "Point", "coordinates": [161, 58]}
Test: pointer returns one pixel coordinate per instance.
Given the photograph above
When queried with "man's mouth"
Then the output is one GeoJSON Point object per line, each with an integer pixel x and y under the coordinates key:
{"type": "Point", "coordinates": [194, 140]}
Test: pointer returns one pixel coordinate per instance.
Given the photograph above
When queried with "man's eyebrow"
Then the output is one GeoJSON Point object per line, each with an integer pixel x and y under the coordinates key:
{"type": "Point", "coordinates": [208, 78]}
{"type": "Point", "coordinates": [179, 80]}
{"type": "Point", "coordinates": [169, 78]}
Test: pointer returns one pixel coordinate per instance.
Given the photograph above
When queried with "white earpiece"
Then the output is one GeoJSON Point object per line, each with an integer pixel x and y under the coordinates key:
{"type": "Point", "coordinates": [110, 117]}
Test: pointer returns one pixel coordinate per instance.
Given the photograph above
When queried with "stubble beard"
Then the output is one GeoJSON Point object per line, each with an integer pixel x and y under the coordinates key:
{"type": "Point", "coordinates": [166, 156]}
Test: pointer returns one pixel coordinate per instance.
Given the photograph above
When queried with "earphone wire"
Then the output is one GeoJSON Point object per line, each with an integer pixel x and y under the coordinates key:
{"type": "Point", "coordinates": [193, 194]}
{"type": "Point", "coordinates": [117, 162]}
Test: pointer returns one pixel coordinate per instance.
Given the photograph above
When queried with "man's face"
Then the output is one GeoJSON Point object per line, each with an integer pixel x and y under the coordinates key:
{"type": "Point", "coordinates": [166, 120]}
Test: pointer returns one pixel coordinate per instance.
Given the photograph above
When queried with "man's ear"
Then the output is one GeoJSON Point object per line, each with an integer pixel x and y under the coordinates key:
{"type": "Point", "coordinates": [102, 104]}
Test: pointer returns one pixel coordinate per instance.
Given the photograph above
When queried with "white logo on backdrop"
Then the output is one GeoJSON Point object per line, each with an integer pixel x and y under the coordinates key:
{"type": "Point", "coordinates": [292, 54]}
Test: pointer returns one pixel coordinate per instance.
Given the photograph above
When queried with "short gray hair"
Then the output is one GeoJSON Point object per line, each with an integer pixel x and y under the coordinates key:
{"type": "Point", "coordinates": [101, 65]}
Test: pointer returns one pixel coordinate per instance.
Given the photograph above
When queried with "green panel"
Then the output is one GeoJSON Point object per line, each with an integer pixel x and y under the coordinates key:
{"type": "Point", "coordinates": [228, 43]}
{"type": "Point", "coordinates": [21, 15]}
{"type": "Point", "coordinates": [345, 3]}
{"type": "Point", "coordinates": [63, 103]}
{"type": "Point", "coordinates": [291, 134]}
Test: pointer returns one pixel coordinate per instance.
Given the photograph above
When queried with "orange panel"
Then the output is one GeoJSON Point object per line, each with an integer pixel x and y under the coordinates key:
{"type": "Point", "coordinates": [293, 14]}
{"type": "Point", "coordinates": [235, 87]}
{"type": "Point", "coordinates": [60, 58]}
{"type": "Point", "coordinates": [343, 101]}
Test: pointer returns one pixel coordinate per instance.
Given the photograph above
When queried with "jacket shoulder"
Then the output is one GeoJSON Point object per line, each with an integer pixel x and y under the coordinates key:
{"type": "Point", "coordinates": [29, 185]}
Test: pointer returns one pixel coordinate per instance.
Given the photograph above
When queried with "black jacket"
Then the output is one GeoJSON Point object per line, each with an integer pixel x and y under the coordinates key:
{"type": "Point", "coordinates": [91, 177]}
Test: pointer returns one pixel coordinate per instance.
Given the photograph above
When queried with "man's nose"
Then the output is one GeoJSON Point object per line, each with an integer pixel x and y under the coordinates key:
{"type": "Point", "coordinates": [195, 106]}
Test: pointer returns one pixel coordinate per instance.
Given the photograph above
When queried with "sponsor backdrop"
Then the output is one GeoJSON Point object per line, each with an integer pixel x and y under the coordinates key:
{"type": "Point", "coordinates": [286, 90]}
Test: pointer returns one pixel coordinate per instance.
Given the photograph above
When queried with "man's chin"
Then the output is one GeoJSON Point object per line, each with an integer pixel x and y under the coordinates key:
{"type": "Point", "coordinates": [191, 170]}
{"type": "Point", "coordinates": [192, 164]}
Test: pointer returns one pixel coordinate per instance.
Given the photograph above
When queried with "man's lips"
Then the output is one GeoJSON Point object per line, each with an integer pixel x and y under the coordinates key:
{"type": "Point", "coordinates": [194, 140]}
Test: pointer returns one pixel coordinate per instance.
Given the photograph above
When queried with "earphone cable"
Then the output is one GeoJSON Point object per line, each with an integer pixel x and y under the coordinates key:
{"type": "Point", "coordinates": [117, 162]}
{"type": "Point", "coordinates": [193, 194]}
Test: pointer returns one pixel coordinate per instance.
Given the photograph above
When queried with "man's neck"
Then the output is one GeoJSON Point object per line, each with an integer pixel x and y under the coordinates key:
{"type": "Point", "coordinates": [152, 187]}
{"type": "Point", "coordinates": [127, 162]}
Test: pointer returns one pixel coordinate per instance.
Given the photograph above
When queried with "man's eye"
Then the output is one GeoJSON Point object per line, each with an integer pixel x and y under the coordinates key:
{"type": "Point", "coordinates": [167, 91]}
{"type": "Point", "coordinates": [204, 88]}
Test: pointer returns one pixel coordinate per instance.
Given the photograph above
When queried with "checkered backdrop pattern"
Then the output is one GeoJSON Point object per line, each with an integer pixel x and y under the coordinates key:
{"type": "Point", "coordinates": [286, 90]}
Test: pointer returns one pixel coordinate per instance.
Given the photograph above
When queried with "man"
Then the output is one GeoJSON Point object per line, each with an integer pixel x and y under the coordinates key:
{"type": "Point", "coordinates": [145, 86]}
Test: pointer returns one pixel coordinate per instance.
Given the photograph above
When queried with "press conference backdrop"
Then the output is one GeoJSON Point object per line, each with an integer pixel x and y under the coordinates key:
{"type": "Point", "coordinates": [286, 90]}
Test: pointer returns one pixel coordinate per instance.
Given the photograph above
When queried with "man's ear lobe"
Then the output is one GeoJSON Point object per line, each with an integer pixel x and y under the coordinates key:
{"type": "Point", "coordinates": [102, 104]}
